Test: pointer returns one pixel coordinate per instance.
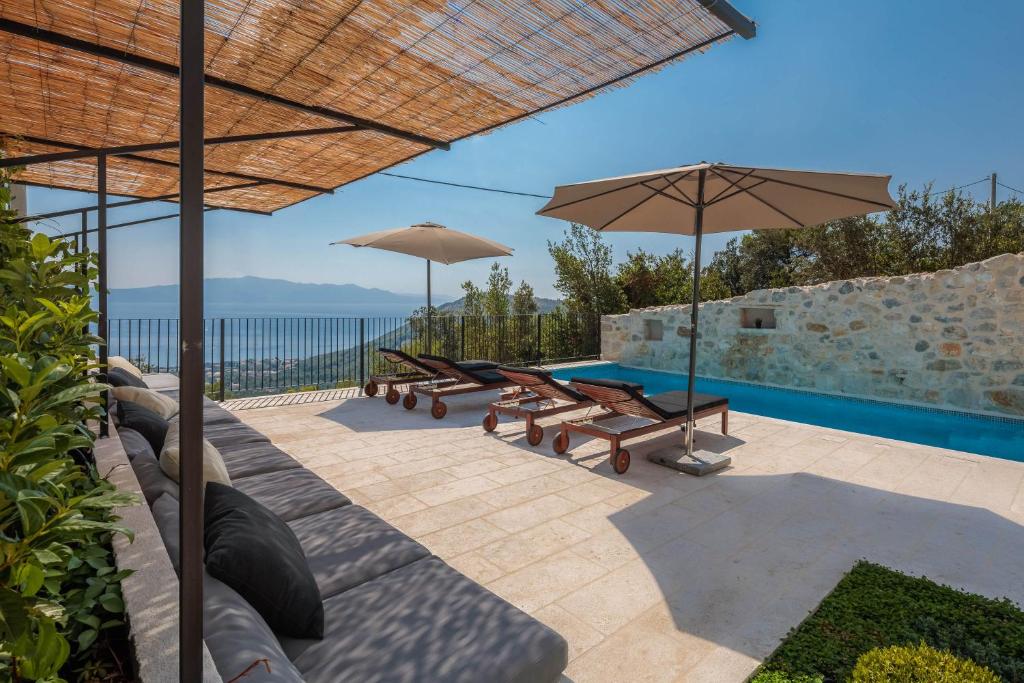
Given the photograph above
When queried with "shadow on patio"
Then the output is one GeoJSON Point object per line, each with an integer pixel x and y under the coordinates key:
{"type": "Point", "coordinates": [656, 574]}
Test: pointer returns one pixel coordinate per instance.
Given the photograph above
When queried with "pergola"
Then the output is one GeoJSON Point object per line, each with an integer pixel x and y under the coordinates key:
{"type": "Point", "coordinates": [257, 106]}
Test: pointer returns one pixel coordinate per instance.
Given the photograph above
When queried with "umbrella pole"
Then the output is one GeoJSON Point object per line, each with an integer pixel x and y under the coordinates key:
{"type": "Point", "coordinates": [430, 326]}
{"type": "Point", "coordinates": [698, 230]}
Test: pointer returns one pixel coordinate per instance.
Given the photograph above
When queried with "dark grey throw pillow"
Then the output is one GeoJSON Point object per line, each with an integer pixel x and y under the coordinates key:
{"type": "Point", "coordinates": [144, 421]}
{"type": "Point", "coordinates": [119, 377]}
{"type": "Point", "coordinates": [250, 549]}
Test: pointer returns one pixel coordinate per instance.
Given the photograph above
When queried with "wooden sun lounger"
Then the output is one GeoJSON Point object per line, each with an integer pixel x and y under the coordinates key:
{"type": "Point", "coordinates": [453, 379]}
{"type": "Point", "coordinates": [665, 410]}
{"type": "Point", "coordinates": [416, 372]}
{"type": "Point", "coordinates": [546, 397]}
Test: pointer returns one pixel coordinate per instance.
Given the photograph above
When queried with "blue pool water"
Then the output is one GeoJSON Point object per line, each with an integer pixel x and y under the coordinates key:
{"type": "Point", "coordinates": [974, 434]}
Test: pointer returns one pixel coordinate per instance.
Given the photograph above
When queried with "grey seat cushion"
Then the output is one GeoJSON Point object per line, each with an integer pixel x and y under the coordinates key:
{"type": "Point", "coordinates": [165, 514]}
{"type": "Point", "coordinates": [672, 404]}
{"type": "Point", "coordinates": [247, 459]}
{"type": "Point", "coordinates": [134, 443]}
{"type": "Point", "coordinates": [237, 637]}
{"type": "Point", "coordinates": [291, 494]}
{"type": "Point", "coordinates": [152, 479]}
{"type": "Point", "coordinates": [347, 546]}
{"type": "Point", "coordinates": [427, 622]}
{"type": "Point", "coordinates": [231, 434]}
{"type": "Point", "coordinates": [213, 413]}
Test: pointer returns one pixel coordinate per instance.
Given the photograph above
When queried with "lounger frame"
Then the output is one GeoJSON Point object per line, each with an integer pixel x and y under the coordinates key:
{"type": "Point", "coordinates": [393, 380]}
{"type": "Point", "coordinates": [609, 398]}
{"type": "Point", "coordinates": [543, 400]}
{"type": "Point", "coordinates": [450, 380]}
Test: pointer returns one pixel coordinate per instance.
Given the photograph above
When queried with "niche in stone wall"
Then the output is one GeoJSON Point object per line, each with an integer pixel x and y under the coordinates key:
{"type": "Point", "coordinates": [654, 329]}
{"type": "Point", "coordinates": [757, 318]}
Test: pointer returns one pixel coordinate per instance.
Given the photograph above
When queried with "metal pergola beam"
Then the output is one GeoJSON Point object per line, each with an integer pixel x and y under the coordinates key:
{"type": "Point", "coordinates": [96, 151]}
{"type": "Point", "coordinates": [173, 144]}
{"type": "Point", "coordinates": [731, 17]}
{"type": "Point", "coordinates": [140, 200]}
{"type": "Point", "coordinates": [140, 221]}
{"type": "Point", "coordinates": [105, 52]}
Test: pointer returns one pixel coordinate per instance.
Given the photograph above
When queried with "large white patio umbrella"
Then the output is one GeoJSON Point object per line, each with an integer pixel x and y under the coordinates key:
{"type": "Point", "coordinates": [693, 200]}
{"type": "Point", "coordinates": [432, 242]}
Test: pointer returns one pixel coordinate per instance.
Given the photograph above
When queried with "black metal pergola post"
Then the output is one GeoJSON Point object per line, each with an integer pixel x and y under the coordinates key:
{"type": "Point", "coordinates": [101, 247]}
{"type": "Point", "coordinates": [190, 244]}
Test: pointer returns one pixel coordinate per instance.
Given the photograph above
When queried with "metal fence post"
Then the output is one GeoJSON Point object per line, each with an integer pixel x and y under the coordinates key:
{"type": "Point", "coordinates": [362, 353]}
{"type": "Point", "coordinates": [223, 377]}
{"type": "Point", "coordinates": [540, 356]}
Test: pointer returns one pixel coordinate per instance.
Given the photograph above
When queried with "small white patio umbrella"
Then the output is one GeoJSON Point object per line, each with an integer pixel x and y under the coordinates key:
{"type": "Point", "coordinates": [432, 242]}
{"type": "Point", "coordinates": [693, 200]}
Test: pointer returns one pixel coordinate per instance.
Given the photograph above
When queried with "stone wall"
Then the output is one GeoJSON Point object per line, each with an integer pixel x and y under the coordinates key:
{"type": "Point", "coordinates": [952, 339]}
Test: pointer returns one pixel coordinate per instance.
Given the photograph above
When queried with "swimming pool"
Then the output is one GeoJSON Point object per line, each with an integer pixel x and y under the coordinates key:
{"type": "Point", "coordinates": [1002, 438]}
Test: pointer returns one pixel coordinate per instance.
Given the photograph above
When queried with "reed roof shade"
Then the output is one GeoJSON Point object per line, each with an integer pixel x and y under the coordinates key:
{"type": "Point", "coordinates": [408, 77]}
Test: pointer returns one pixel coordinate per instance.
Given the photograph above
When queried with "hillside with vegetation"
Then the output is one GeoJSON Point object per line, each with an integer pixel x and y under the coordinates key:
{"type": "Point", "coordinates": [923, 232]}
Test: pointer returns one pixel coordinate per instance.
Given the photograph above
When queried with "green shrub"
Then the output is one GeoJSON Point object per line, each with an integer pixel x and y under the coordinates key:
{"type": "Point", "coordinates": [782, 677]}
{"type": "Point", "coordinates": [59, 590]}
{"type": "Point", "coordinates": [874, 607]}
{"type": "Point", "coordinates": [918, 664]}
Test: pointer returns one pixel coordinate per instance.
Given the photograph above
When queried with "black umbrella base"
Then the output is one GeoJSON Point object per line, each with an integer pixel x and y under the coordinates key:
{"type": "Point", "coordinates": [697, 464]}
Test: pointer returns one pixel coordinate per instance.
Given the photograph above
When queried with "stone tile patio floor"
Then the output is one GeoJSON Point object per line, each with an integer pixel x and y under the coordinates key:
{"type": "Point", "coordinates": [655, 575]}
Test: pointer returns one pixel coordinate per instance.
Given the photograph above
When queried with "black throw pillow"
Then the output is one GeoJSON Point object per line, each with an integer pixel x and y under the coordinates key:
{"type": "Point", "coordinates": [144, 421]}
{"type": "Point", "coordinates": [249, 548]}
{"type": "Point", "coordinates": [119, 377]}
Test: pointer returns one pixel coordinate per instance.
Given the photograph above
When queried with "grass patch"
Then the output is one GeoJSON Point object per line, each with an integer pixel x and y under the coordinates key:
{"type": "Point", "coordinates": [877, 607]}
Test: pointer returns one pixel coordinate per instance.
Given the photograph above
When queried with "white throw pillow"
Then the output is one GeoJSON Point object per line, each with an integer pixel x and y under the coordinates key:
{"type": "Point", "coordinates": [124, 364]}
{"type": "Point", "coordinates": [164, 406]}
{"type": "Point", "coordinates": [213, 465]}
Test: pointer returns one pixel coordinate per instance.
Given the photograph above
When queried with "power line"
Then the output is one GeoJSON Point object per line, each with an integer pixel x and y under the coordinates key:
{"type": "Point", "coordinates": [466, 187]}
{"type": "Point", "coordinates": [960, 187]}
{"type": "Point", "coordinates": [1011, 189]}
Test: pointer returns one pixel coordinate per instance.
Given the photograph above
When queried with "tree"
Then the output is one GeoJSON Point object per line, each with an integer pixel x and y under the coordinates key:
{"type": "Point", "coordinates": [472, 300]}
{"type": "Point", "coordinates": [649, 280]}
{"type": "Point", "coordinates": [523, 301]}
{"type": "Point", "coordinates": [673, 279]}
{"type": "Point", "coordinates": [923, 232]}
{"type": "Point", "coordinates": [637, 280]}
{"type": "Point", "coordinates": [583, 264]}
{"type": "Point", "coordinates": [499, 288]}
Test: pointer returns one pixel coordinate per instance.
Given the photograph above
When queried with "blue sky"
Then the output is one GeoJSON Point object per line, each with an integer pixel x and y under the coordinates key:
{"type": "Point", "coordinates": [925, 91]}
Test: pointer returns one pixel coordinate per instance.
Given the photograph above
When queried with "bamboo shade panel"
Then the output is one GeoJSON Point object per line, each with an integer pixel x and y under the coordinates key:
{"type": "Point", "coordinates": [444, 70]}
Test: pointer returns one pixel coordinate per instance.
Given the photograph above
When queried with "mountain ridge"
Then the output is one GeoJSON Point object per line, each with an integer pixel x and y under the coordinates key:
{"type": "Point", "coordinates": [267, 290]}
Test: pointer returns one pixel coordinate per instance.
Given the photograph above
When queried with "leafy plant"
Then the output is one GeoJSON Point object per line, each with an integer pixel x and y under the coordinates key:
{"type": "Point", "coordinates": [918, 664]}
{"type": "Point", "coordinates": [873, 607]}
{"type": "Point", "coordinates": [781, 677]}
{"type": "Point", "coordinates": [58, 586]}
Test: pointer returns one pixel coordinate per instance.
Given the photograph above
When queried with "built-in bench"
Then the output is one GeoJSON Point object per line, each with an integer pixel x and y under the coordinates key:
{"type": "Point", "coordinates": [393, 611]}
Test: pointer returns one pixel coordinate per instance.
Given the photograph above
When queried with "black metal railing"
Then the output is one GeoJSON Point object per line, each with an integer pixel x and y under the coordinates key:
{"type": "Point", "coordinates": [251, 356]}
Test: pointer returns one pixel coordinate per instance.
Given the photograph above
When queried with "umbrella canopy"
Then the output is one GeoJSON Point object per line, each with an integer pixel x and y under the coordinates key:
{"type": "Point", "coordinates": [692, 200]}
{"type": "Point", "coordinates": [735, 198]}
{"type": "Point", "coordinates": [431, 241]}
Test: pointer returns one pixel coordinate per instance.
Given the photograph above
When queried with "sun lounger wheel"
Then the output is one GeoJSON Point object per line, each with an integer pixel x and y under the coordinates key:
{"type": "Point", "coordinates": [490, 422]}
{"type": "Point", "coordinates": [392, 396]}
{"type": "Point", "coordinates": [409, 402]}
{"type": "Point", "coordinates": [560, 444]}
{"type": "Point", "coordinates": [535, 435]}
{"type": "Point", "coordinates": [620, 461]}
{"type": "Point", "coordinates": [371, 388]}
{"type": "Point", "coordinates": [438, 410]}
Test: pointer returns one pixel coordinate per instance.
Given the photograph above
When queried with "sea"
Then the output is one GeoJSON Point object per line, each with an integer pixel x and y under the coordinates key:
{"type": "Point", "coordinates": [148, 332]}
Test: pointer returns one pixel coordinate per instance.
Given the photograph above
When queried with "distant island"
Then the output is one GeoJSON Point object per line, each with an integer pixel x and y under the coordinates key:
{"type": "Point", "coordinates": [267, 291]}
